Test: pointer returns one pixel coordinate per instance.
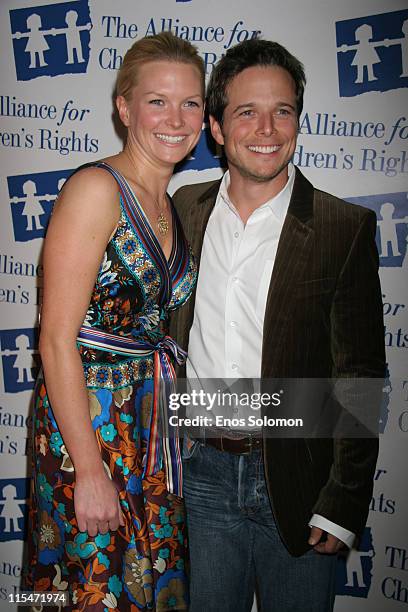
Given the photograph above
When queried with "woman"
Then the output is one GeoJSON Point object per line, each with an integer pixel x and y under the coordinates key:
{"type": "Point", "coordinates": [107, 521]}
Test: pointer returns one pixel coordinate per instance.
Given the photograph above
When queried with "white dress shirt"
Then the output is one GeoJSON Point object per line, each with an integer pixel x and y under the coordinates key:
{"type": "Point", "coordinates": [235, 270]}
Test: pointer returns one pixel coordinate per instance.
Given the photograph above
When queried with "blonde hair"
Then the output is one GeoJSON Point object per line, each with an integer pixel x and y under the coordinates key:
{"type": "Point", "coordinates": [161, 47]}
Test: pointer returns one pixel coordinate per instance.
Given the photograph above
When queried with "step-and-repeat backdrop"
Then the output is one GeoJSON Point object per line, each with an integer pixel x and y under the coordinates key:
{"type": "Point", "coordinates": [58, 68]}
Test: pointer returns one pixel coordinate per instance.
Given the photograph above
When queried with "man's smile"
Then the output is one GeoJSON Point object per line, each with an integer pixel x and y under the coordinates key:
{"type": "Point", "coordinates": [266, 149]}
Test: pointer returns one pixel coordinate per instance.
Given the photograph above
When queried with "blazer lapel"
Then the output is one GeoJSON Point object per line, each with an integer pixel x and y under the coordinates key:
{"type": "Point", "coordinates": [198, 219]}
{"type": "Point", "coordinates": [292, 256]}
{"type": "Point", "coordinates": [194, 224]}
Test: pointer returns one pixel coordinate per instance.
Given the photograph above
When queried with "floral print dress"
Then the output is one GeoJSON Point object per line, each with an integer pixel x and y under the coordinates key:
{"type": "Point", "coordinates": [142, 565]}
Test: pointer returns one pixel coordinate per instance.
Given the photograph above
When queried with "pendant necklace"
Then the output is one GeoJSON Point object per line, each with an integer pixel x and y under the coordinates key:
{"type": "Point", "coordinates": [162, 222]}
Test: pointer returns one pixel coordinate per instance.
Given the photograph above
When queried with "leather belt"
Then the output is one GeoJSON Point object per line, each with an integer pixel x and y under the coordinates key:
{"type": "Point", "coordinates": [236, 446]}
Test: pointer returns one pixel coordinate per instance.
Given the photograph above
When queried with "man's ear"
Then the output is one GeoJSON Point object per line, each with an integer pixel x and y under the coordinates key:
{"type": "Point", "coordinates": [123, 110]}
{"type": "Point", "coordinates": [216, 131]}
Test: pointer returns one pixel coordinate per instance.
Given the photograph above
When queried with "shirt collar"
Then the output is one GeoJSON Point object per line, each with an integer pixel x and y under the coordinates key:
{"type": "Point", "coordinates": [278, 205]}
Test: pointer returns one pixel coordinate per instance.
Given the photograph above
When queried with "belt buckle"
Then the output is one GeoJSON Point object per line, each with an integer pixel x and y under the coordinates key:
{"type": "Point", "coordinates": [249, 445]}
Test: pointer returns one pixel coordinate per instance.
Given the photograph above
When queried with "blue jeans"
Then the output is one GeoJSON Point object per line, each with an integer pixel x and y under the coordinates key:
{"type": "Point", "coordinates": [235, 546]}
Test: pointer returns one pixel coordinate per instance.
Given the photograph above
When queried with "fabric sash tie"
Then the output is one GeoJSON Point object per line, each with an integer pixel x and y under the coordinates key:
{"type": "Point", "coordinates": [163, 437]}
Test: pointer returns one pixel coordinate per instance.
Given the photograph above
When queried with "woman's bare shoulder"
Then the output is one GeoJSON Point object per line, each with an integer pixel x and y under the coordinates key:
{"type": "Point", "coordinates": [92, 179]}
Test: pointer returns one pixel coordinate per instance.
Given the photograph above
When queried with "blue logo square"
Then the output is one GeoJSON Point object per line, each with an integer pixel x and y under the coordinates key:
{"type": "Point", "coordinates": [32, 197]}
{"type": "Point", "coordinates": [20, 360]}
{"type": "Point", "coordinates": [205, 155]}
{"type": "Point", "coordinates": [13, 508]}
{"type": "Point", "coordinates": [51, 40]}
{"type": "Point", "coordinates": [372, 53]}
{"type": "Point", "coordinates": [354, 574]}
{"type": "Point", "coordinates": [392, 225]}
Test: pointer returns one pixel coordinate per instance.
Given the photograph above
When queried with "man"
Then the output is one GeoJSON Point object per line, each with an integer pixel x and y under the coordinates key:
{"type": "Point", "coordinates": [288, 288]}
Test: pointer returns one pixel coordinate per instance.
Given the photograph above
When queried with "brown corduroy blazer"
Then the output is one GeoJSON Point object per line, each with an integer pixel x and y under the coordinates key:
{"type": "Point", "coordinates": [323, 319]}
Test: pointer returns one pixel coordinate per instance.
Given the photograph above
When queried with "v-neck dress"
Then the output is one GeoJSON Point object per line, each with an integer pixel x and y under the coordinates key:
{"type": "Point", "coordinates": [142, 565]}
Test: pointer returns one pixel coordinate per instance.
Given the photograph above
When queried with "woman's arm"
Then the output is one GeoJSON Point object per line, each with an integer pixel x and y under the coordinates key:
{"type": "Point", "coordinates": [82, 222]}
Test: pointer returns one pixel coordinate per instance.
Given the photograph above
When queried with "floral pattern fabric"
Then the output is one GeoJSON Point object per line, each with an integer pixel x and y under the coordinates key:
{"type": "Point", "coordinates": [141, 566]}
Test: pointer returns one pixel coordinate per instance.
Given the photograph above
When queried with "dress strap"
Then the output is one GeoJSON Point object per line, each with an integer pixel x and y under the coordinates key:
{"type": "Point", "coordinates": [139, 221]}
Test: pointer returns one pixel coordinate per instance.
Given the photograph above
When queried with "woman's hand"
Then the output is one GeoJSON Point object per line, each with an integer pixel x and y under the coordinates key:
{"type": "Point", "coordinates": [97, 506]}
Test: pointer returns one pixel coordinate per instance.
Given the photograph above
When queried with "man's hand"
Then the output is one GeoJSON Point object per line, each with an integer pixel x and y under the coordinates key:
{"type": "Point", "coordinates": [328, 546]}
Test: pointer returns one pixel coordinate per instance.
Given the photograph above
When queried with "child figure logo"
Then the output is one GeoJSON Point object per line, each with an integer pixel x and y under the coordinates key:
{"type": "Point", "coordinates": [366, 55]}
{"type": "Point", "coordinates": [19, 359]}
{"type": "Point", "coordinates": [354, 572]}
{"type": "Point", "coordinates": [388, 225]}
{"type": "Point", "coordinates": [51, 40]}
{"type": "Point", "coordinates": [31, 199]}
{"type": "Point", "coordinates": [392, 226]}
{"type": "Point", "coordinates": [372, 53]}
{"type": "Point", "coordinates": [13, 508]}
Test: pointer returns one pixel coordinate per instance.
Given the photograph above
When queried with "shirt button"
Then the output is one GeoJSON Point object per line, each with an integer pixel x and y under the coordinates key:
{"type": "Point", "coordinates": [234, 366]}
{"type": "Point", "coordinates": [236, 235]}
{"type": "Point", "coordinates": [235, 279]}
{"type": "Point", "coordinates": [233, 323]}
